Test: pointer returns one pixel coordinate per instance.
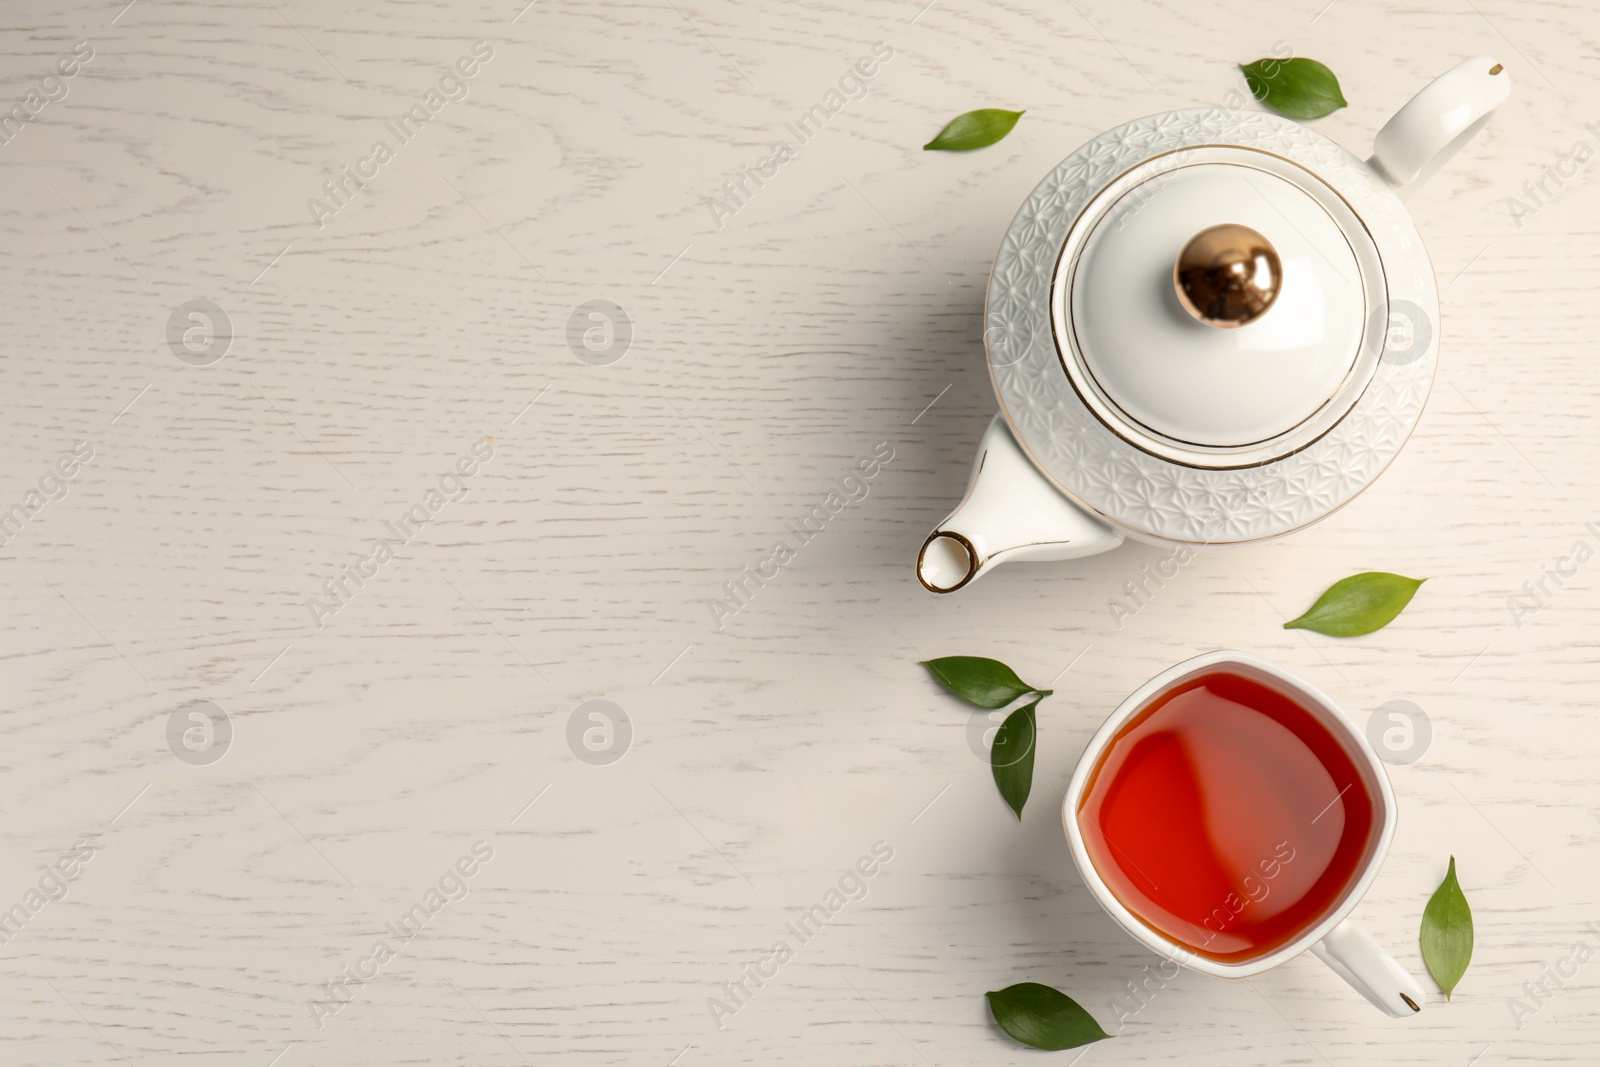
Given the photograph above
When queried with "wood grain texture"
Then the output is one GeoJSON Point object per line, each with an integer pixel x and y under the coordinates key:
{"type": "Point", "coordinates": [838, 309]}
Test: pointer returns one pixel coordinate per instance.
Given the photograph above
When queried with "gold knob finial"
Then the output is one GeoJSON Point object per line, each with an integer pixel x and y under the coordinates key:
{"type": "Point", "coordinates": [1227, 276]}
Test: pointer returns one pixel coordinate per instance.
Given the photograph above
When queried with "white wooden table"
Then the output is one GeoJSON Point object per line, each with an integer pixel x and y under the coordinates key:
{"type": "Point", "coordinates": [374, 736]}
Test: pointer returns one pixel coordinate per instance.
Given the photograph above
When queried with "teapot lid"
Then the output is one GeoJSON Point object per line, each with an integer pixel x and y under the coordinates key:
{"type": "Point", "coordinates": [1212, 325]}
{"type": "Point", "coordinates": [1212, 309]}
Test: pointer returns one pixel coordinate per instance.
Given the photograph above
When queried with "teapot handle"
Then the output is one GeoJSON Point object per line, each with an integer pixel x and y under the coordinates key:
{"type": "Point", "coordinates": [1434, 124]}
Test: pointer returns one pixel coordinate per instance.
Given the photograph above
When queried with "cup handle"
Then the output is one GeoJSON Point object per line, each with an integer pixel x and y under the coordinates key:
{"type": "Point", "coordinates": [1355, 957]}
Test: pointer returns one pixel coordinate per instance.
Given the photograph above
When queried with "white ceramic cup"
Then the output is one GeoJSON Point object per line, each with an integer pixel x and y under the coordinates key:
{"type": "Point", "coordinates": [1351, 953]}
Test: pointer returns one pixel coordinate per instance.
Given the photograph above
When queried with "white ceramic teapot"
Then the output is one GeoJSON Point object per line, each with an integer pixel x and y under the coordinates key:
{"type": "Point", "coordinates": [1206, 326]}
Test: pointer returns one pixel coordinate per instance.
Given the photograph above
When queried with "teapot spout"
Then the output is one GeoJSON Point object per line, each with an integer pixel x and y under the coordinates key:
{"type": "Point", "coordinates": [1010, 512]}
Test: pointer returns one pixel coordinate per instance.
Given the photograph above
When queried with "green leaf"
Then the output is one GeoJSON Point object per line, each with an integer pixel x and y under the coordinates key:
{"type": "Point", "coordinates": [1447, 933]}
{"type": "Point", "coordinates": [988, 683]}
{"type": "Point", "coordinates": [1358, 604]}
{"type": "Point", "coordinates": [1299, 88]}
{"type": "Point", "coordinates": [1011, 758]}
{"type": "Point", "coordinates": [1042, 1017]}
{"type": "Point", "coordinates": [975, 129]}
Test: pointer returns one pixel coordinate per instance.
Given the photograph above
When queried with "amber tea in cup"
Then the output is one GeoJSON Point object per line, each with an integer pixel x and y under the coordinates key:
{"type": "Point", "coordinates": [1227, 817]}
